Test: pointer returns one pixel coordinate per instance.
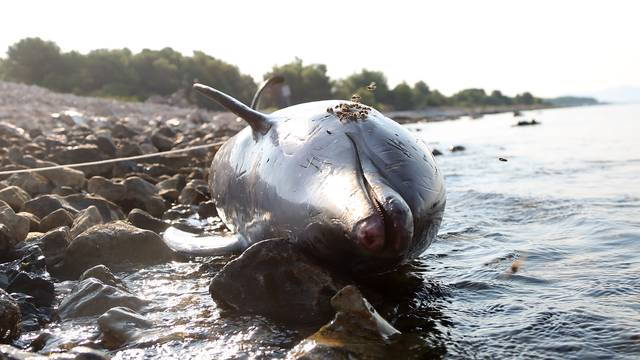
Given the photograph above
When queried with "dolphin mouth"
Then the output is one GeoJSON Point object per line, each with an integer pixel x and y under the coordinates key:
{"type": "Point", "coordinates": [388, 231]}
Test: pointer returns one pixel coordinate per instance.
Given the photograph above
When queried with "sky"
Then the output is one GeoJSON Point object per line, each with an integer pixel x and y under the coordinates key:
{"type": "Point", "coordinates": [550, 48]}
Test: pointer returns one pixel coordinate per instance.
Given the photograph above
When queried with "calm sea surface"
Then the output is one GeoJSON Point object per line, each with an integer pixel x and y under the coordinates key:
{"type": "Point", "coordinates": [563, 213]}
{"type": "Point", "coordinates": [538, 257]}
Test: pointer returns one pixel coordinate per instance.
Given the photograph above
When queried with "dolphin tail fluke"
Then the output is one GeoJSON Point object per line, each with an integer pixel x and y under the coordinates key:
{"type": "Point", "coordinates": [197, 245]}
{"type": "Point", "coordinates": [258, 121]}
{"type": "Point", "coordinates": [255, 103]}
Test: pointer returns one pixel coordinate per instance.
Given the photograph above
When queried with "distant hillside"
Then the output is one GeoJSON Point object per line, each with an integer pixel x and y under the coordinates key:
{"type": "Point", "coordinates": [622, 94]}
{"type": "Point", "coordinates": [572, 101]}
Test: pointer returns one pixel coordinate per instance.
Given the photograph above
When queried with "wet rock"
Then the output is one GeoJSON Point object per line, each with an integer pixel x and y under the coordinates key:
{"type": "Point", "coordinates": [108, 189]}
{"type": "Point", "coordinates": [77, 353]}
{"type": "Point", "coordinates": [207, 209]}
{"type": "Point", "coordinates": [122, 131]}
{"type": "Point", "coordinates": [15, 197]}
{"type": "Point", "coordinates": [9, 318]}
{"type": "Point", "coordinates": [457, 148]}
{"type": "Point", "coordinates": [105, 275]}
{"type": "Point", "coordinates": [85, 219]}
{"type": "Point", "coordinates": [436, 152]}
{"type": "Point", "coordinates": [357, 331]}
{"type": "Point", "coordinates": [91, 297]}
{"type": "Point", "coordinates": [33, 183]}
{"type": "Point", "coordinates": [15, 227]}
{"type": "Point", "coordinates": [527, 123]}
{"type": "Point", "coordinates": [195, 192]}
{"type": "Point", "coordinates": [115, 244]}
{"type": "Point", "coordinates": [275, 279]}
{"type": "Point", "coordinates": [60, 217]}
{"type": "Point", "coordinates": [143, 194]}
{"type": "Point", "coordinates": [121, 325]}
{"type": "Point", "coordinates": [144, 220]}
{"type": "Point", "coordinates": [170, 195]}
{"type": "Point", "coordinates": [43, 205]}
{"type": "Point", "coordinates": [106, 145]}
{"type": "Point", "coordinates": [178, 211]}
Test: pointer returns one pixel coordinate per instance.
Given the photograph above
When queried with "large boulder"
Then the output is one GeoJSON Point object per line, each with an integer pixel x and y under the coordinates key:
{"type": "Point", "coordinates": [91, 297]}
{"type": "Point", "coordinates": [143, 194]}
{"type": "Point", "coordinates": [31, 182]}
{"type": "Point", "coordinates": [58, 218]}
{"type": "Point", "coordinates": [273, 278]}
{"type": "Point", "coordinates": [115, 244]}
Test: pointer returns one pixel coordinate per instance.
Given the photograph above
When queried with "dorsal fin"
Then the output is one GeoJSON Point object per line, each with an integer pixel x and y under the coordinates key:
{"type": "Point", "coordinates": [259, 122]}
{"type": "Point", "coordinates": [265, 84]}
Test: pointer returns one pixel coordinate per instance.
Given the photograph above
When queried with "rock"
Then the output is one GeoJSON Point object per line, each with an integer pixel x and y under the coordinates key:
{"type": "Point", "coordinates": [436, 152]}
{"type": "Point", "coordinates": [43, 205]}
{"type": "Point", "coordinates": [207, 209]}
{"type": "Point", "coordinates": [115, 244]}
{"type": "Point", "coordinates": [105, 275]}
{"type": "Point", "coordinates": [106, 146]}
{"type": "Point", "coordinates": [144, 220]}
{"type": "Point", "coordinates": [195, 192]}
{"type": "Point", "coordinates": [143, 194]}
{"type": "Point", "coordinates": [34, 221]}
{"type": "Point", "coordinates": [108, 189]}
{"type": "Point", "coordinates": [60, 217]}
{"type": "Point", "coordinates": [170, 195]}
{"type": "Point", "coordinates": [9, 318]}
{"type": "Point", "coordinates": [91, 297]}
{"type": "Point", "coordinates": [356, 332]}
{"type": "Point", "coordinates": [162, 139]}
{"type": "Point", "coordinates": [33, 183]}
{"type": "Point", "coordinates": [14, 197]}
{"type": "Point", "coordinates": [15, 228]}
{"type": "Point", "coordinates": [86, 218]}
{"type": "Point", "coordinates": [53, 245]}
{"type": "Point", "coordinates": [457, 148]}
{"type": "Point", "coordinates": [108, 210]}
{"type": "Point", "coordinates": [121, 325]}
{"type": "Point", "coordinates": [77, 353]}
{"type": "Point", "coordinates": [176, 182]}
{"type": "Point", "coordinates": [66, 177]}
{"type": "Point", "coordinates": [274, 279]}
{"type": "Point", "coordinates": [81, 154]}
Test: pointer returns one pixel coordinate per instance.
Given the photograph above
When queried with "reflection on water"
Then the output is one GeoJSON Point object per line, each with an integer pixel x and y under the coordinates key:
{"type": "Point", "coordinates": [538, 256]}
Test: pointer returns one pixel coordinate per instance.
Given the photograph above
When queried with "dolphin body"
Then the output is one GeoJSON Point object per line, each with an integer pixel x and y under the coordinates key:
{"type": "Point", "coordinates": [348, 185]}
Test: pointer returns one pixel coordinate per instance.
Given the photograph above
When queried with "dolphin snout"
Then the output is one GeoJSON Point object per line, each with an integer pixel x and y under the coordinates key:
{"type": "Point", "coordinates": [387, 232]}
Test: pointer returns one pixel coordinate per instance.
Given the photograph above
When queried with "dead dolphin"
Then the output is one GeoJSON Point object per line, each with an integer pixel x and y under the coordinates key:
{"type": "Point", "coordinates": [348, 185]}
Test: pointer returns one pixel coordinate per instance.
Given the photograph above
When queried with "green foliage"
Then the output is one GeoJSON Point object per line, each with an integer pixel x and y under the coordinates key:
{"type": "Point", "coordinates": [122, 74]}
{"type": "Point", "coordinates": [307, 82]}
{"type": "Point", "coordinates": [357, 83]}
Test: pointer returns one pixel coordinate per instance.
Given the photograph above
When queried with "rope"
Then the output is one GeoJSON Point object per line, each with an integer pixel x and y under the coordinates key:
{"type": "Point", "coordinates": [109, 161]}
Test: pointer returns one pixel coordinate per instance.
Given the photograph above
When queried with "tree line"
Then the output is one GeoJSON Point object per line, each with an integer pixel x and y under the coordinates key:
{"type": "Point", "coordinates": [123, 74]}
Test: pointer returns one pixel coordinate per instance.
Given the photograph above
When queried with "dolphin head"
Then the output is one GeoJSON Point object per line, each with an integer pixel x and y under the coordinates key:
{"type": "Point", "coordinates": [367, 175]}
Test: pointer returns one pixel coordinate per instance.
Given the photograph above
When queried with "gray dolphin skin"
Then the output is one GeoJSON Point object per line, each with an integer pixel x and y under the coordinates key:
{"type": "Point", "coordinates": [351, 187]}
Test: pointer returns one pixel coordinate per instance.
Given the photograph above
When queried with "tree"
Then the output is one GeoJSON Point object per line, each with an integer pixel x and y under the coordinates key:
{"type": "Point", "coordinates": [402, 97]}
{"type": "Point", "coordinates": [420, 94]}
{"type": "Point", "coordinates": [159, 72]}
{"type": "Point", "coordinates": [525, 98]}
{"type": "Point", "coordinates": [30, 60]}
{"type": "Point", "coordinates": [357, 84]}
{"type": "Point", "coordinates": [470, 97]}
{"type": "Point", "coordinates": [497, 98]}
{"type": "Point", "coordinates": [307, 82]}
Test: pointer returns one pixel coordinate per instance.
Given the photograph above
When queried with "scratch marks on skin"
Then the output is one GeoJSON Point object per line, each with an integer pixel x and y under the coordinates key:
{"type": "Point", "coordinates": [399, 145]}
{"type": "Point", "coordinates": [315, 162]}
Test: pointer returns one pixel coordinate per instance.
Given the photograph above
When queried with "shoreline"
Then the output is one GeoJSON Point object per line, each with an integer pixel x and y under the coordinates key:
{"type": "Point", "coordinates": [434, 114]}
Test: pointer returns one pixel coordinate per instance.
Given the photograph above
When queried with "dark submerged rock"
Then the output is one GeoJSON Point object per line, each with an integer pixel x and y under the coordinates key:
{"type": "Point", "coordinates": [273, 278]}
{"type": "Point", "coordinates": [457, 148]}
{"type": "Point", "coordinates": [121, 325]}
{"type": "Point", "coordinates": [9, 318]}
{"type": "Point", "coordinates": [93, 297]}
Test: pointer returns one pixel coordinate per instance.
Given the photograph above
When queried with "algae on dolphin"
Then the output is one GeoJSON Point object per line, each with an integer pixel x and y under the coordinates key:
{"type": "Point", "coordinates": [349, 186]}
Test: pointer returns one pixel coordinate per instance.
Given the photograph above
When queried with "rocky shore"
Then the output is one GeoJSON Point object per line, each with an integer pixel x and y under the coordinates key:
{"type": "Point", "coordinates": [68, 235]}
